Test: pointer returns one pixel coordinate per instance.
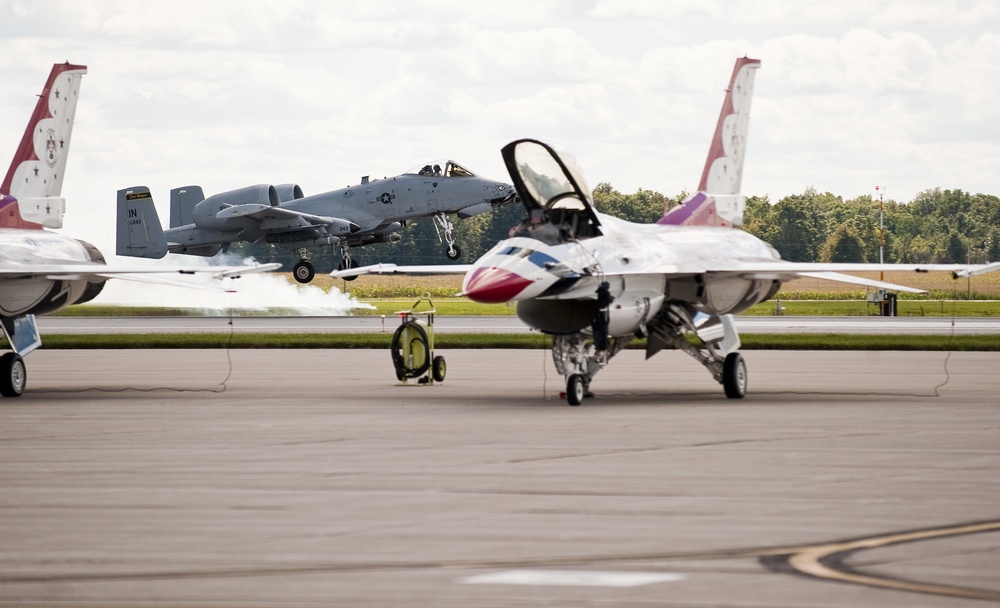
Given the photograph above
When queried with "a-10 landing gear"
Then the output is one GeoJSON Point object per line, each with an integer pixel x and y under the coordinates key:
{"type": "Point", "coordinates": [445, 231]}
{"type": "Point", "coordinates": [346, 261]}
{"type": "Point", "coordinates": [578, 361]}
{"type": "Point", "coordinates": [303, 270]}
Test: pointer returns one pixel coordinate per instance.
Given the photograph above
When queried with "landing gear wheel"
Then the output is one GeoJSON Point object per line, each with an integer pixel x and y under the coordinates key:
{"type": "Point", "coordinates": [13, 375]}
{"type": "Point", "coordinates": [734, 376]}
{"type": "Point", "coordinates": [439, 369]}
{"type": "Point", "coordinates": [453, 252]}
{"type": "Point", "coordinates": [349, 263]}
{"type": "Point", "coordinates": [574, 389]}
{"type": "Point", "coordinates": [304, 271]}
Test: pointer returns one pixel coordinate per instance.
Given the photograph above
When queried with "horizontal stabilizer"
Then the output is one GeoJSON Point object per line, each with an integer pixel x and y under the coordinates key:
{"type": "Point", "coordinates": [988, 268]}
{"type": "Point", "coordinates": [47, 211]}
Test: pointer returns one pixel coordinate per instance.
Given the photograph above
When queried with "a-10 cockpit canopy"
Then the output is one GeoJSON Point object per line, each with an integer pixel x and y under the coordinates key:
{"type": "Point", "coordinates": [441, 168]}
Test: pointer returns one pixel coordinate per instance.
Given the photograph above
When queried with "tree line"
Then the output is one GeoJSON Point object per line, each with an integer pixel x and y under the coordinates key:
{"type": "Point", "coordinates": [937, 226]}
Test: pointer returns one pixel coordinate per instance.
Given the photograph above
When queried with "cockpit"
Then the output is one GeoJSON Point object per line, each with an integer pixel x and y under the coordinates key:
{"type": "Point", "coordinates": [441, 168]}
{"type": "Point", "coordinates": [553, 192]}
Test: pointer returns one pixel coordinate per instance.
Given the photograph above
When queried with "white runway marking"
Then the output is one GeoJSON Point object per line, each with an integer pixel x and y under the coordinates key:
{"type": "Point", "coordinates": [572, 578]}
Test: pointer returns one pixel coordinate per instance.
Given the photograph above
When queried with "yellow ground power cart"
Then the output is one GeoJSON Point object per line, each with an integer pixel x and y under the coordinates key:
{"type": "Point", "coordinates": [413, 346]}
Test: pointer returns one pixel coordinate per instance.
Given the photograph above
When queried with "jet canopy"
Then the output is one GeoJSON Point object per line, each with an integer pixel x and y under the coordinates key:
{"type": "Point", "coordinates": [441, 168]}
{"type": "Point", "coordinates": [551, 187]}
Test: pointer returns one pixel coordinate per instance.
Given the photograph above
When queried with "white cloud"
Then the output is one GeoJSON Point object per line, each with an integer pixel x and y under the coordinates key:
{"type": "Point", "coordinates": [655, 9]}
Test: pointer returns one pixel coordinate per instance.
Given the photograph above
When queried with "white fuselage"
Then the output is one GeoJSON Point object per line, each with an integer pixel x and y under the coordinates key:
{"type": "Point", "coordinates": [644, 265]}
{"type": "Point", "coordinates": [32, 292]}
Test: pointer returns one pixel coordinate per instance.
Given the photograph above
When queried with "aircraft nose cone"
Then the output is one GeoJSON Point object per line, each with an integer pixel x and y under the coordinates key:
{"type": "Point", "coordinates": [494, 285]}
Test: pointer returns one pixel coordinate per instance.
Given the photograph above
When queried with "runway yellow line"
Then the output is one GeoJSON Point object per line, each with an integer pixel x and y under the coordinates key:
{"type": "Point", "coordinates": [810, 561]}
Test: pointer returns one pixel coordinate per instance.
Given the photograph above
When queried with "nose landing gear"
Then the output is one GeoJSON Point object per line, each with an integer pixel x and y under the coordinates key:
{"type": "Point", "coordinates": [445, 230]}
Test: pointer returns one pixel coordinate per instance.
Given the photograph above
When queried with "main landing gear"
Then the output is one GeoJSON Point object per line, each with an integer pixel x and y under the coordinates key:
{"type": "Point", "coordinates": [717, 352]}
{"type": "Point", "coordinates": [13, 375]}
{"type": "Point", "coordinates": [578, 360]}
{"type": "Point", "coordinates": [304, 270]}
{"type": "Point", "coordinates": [346, 261]}
{"type": "Point", "coordinates": [445, 231]}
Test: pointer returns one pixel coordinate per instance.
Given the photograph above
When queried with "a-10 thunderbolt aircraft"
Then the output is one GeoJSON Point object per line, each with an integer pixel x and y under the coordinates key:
{"type": "Point", "coordinates": [43, 271]}
{"type": "Point", "coordinates": [374, 211]}
{"type": "Point", "coordinates": [594, 282]}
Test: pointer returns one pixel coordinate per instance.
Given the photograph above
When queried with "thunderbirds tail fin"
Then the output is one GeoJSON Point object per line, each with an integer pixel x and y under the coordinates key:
{"type": "Point", "coordinates": [36, 174]}
{"type": "Point", "coordinates": [139, 232]}
{"type": "Point", "coordinates": [718, 201]}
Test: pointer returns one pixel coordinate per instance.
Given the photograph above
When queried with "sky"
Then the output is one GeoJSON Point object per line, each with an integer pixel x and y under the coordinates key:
{"type": "Point", "coordinates": [225, 94]}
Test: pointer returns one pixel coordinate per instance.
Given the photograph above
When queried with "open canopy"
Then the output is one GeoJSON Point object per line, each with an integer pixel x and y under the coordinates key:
{"type": "Point", "coordinates": [549, 182]}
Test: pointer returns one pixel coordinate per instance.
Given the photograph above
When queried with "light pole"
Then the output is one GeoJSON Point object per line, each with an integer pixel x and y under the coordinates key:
{"type": "Point", "coordinates": [881, 231]}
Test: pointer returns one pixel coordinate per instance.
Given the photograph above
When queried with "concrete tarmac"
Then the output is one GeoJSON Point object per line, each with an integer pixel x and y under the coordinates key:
{"type": "Point", "coordinates": [309, 478]}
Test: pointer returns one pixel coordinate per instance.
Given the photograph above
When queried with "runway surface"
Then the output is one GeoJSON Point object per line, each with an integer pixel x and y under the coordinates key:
{"type": "Point", "coordinates": [510, 324]}
{"type": "Point", "coordinates": [309, 478]}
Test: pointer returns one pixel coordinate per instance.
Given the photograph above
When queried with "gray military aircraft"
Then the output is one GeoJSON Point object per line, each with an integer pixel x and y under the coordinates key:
{"type": "Point", "coordinates": [374, 211]}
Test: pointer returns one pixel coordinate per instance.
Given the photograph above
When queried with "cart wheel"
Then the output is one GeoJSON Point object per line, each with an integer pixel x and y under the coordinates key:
{"type": "Point", "coordinates": [439, 369]}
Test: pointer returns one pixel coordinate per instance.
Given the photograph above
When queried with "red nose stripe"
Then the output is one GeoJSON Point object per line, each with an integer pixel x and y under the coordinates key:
{"type": "Point", "coordinates": [494, 285]}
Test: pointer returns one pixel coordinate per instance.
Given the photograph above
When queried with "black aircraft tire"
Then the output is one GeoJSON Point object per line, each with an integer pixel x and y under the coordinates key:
{"type": "Point", "coordinates": [304, 272]}
{"type": "Point", "coordinates": [439, 369]}
{"type": "Point", "coordinates": [350, 264]}
{"type": "Point", "coordinates": [734, 376]}
{"type": "Point", "coordinates": [13, 375]}
{"type": "Point", "coordinates": [453, 252]}
{"type": "Point", "coordinates": [574, 389]}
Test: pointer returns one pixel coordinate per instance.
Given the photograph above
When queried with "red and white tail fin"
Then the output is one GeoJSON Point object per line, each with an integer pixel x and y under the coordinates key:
{"type": "Point", "coordinates": [36, 174]}
{"type": "Point", "coordinates": [718, 201]}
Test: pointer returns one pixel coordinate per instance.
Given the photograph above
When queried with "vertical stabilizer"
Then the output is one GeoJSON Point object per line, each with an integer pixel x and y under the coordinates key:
{"type": "Point", "coordinates": [36, 174]}
{"type": "Point", "coordinates": [718, 201]}
{"type": "Point", "coordinates": [139, 233]}
{"type": "Point", "coordinates": [182, 202]}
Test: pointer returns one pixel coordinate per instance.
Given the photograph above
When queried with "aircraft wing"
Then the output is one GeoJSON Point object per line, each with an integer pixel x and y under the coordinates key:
{"type": "Point", "coordinates": [394, 269]}
{"type": "Point", "coordinates": [787, 271]}
{"type": "Point", "coordinates": [142, 274]}
{"type": "Point", "coordinates": [265, 213]}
